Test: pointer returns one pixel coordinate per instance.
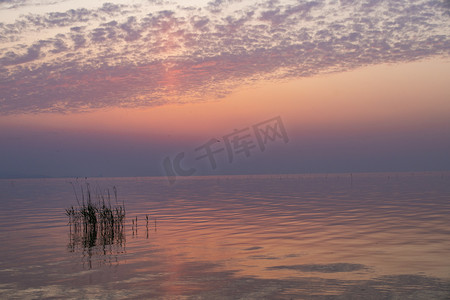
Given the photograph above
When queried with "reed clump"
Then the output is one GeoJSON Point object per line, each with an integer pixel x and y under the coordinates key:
{"type": "Point", "coordinates": [98, 219]}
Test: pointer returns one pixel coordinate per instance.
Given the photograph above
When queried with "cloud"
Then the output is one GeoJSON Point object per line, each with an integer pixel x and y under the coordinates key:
{"type": "Point", "coordinates": [281, 15]}
{"type": "Point", "coordinates": [121, 55]}
{"type": "Point", "coordinates": [14, 4]}
{"type": "Point", "coordinates": [215, 6]}
{"type": "Point", "coordinates": [14, 58]}
{"type": "Point", "coordinates": [35, 23]}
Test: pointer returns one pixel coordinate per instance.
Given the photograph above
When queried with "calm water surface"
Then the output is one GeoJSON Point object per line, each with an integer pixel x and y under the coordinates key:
{"type": "Point", "coordinates": [365, 236]}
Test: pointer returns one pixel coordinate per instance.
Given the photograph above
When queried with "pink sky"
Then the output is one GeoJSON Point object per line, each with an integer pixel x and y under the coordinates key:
{"type": "Point", "coordinates": [113, 89]}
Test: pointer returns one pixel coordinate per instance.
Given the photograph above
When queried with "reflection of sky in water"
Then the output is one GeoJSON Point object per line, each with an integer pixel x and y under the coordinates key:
{"type": "Point", "coordinates": [380, 235]}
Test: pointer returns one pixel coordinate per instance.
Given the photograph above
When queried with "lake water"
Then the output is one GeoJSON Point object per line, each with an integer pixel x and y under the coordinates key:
{"type": "Point", "coordinates": [336, 236]}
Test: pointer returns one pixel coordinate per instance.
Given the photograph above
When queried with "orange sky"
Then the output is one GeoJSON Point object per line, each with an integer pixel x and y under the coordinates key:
{"type": "Point", "coordinates": [100, 88]}
{"type": "Point", "coordinates": [382, 97]}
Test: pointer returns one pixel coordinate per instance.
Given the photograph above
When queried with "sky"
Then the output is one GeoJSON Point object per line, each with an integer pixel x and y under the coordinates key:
{"type": "Point", "coordinates": [177, 88]}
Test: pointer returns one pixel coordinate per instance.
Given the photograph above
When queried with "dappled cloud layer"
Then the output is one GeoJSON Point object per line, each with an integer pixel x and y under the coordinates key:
{"type": "Point", "coordinates": [158, 52]}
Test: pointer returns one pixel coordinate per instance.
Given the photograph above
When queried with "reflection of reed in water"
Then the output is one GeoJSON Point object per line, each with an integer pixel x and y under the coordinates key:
{"type": "Point", "coordinates": [96, 226]}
